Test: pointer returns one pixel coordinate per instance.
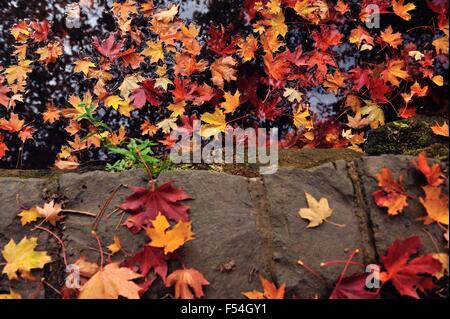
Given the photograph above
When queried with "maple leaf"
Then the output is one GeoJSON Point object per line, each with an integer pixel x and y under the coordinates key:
{"type": "Point", "coordinates": [353, 287]}
{"type": "Point", "coordinates": [231, 101]}
{"type": "Point", "coordinates": [444, 260]}
{"type": "Point", "coordinates": [83, 66]}
{"type": "Point", "coordinates": [22, 257]}
{"type": "Point", "coordinates": [28, 216]}
{"type": "Point", "coordinates": [440, 130]}
{"type": "Point", "coordinates": [357, 121]}
{"type": "Point", "coordinates": [327, 37]}
{"type": "Point", "coordinates": [301, 118]}
{"type": "Point", "coordinates": [147, 92]}
{"type": "Point", "coordinates": [169, 239]}
{"type": "Point", "coordinates": [131, 59]}
{"type": "Point", "coordinates": [147, 259]}
{"type": "Point", "coordinates": [51, 114]}
{"type": "Point", "coordinates": [109, 48]}
{"type": "Point", "coordinates": [20, 31]}
{"type": "Point", "coordinates": [276, 67]}
{"type": "Point", "coordinates": [50, 212]}
{"type": "Point", "coordinates": [220, 40]}
{"type": "Point", "coordinates": [60, 164]}
{"type": "Point", "coordinates": [40, 30]}
{"type": "Point", "coordinates": [185, 278]}
{"type": "Point", "coordinates": [129, 84]}
{"type": "Point", "coordinates": [361, 37]}
{"type": "Point", "coordinates": [4, 99]}
{"type": "Point", "coordinates": [186, 65]}
{"type": "Point", "coordinates": [116, 245]}
{"type": "Point", "coordinates": [433, 174]}
{"type": "Point", "coordinates": [13, 125]}
{"type": "Point", "coordinates": [402, 9]}
{"type": "Point", "coordinates": [111, 282]}
{"type": "Point", "coordinates": [375, 112]}
{"type": "Point", "coordinates": [394, 71]}
{"type": "Point", "coordinates": [404, 272]}
{"type": "Point", "coordinates": [392, 194]}
{"type": "Point", "coordinates": [247, 48]}
{"type": "Point", "coordinates": [334, 81]}
{"type": "Point", "coordinates": [215, 123]}
{"type": "Point", "coordinates": [270, 291]}
{"type": "Point", "coordinates": [167, 16]}
{"type": "Point", "coordinates": [436, 205]}
{"type": "Point", "coordinates": [393, 39]}
{"type": "Point", "coordinates": [155, 51]}
{"type": "Point", "coordinates": [19, 72]}
{"type": "Point", "coordinates": [317, 212]}
{"type": "Point", "coordinates": [50, 53]}
{"type": "Point", "coordinates": [223, 70]}
{"type": "Point", "coordinates": [145, 204]}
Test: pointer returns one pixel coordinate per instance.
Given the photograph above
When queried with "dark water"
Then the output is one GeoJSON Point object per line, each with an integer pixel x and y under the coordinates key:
{"type": "Point", "coordinates": [57, 83]}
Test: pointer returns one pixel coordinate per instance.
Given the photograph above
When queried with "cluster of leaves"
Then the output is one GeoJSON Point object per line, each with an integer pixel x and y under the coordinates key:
{"type": "Point", "coordinates": [227, 78]}
{"type": "Point", "coordinates": [156, 210]}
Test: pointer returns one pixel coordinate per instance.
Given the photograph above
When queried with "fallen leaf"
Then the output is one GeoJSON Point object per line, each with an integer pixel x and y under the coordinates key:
{"type": "Point", "coordinates": [270, 291]}
{"type": "Point", "coordinates": [22, 257]}
{"type": "Point", "coordinates": [436, 205]}
{"type": "Point", "coordinates": [433, 174]}
{"type": "Point", "coordinates": [440, 129]}
{"type": "Point", "coordinates": [169, 239]}
{"type": "Point", "coordinates": [188, 283]}
{"type": "Point", "coordinates": [28, 216]}
{"type": "Point", "coordinates": [116, 246]}
{"type": "Point", "coordinates": [317, 212]}
{"type": "Point", "coordinates": [50, 212]}
{"type": "Point", "coordinates": [392, 194]}
{"type": "Point", "coordinates": [111, 282]}
{"type": "Point", "coordinates": [406, 273]}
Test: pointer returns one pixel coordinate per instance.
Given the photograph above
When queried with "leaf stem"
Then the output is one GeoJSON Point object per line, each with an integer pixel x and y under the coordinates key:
{"type": "Point", "coordinates": [63, 247]}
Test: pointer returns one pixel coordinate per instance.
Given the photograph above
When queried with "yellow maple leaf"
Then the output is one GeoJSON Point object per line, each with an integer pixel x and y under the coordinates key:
{"type": "Point", "coordinates": [19, 72]}
{"type": "Point", "coordinates": [116, 246]}
{"type": "Point", "coordinates": [83, 66]}
{"type": "Point", "coordinates": [114, 101]}
{"type": "Point", "coordinates": [292, 95]}
{"type": "Point", "coordinates": [167, 16]}
{"type": "Point", "coordinates": [247, 48]}
{"type": "Point", "coordinates": [154, 51]}
{"type": "Point", "coordinates": [28, 216]}
{"type": "Point", "coordinates": [177, 108]}
{"type": "Point", "coordinates": [22, 257]}
{"type": "Point", "coordinates": [391, 38]}
{"type": "Point", "coordinates": [394, 71]}
{"type": "Point", "coordinates": [50, 53]}
{"type": "Point", "coordinates": [436, 205]}
{"type": "Point", "coordinates": [375, 112]}
{"type": "Point", "coordinates": [111, 282]}
{"type": "Point", "coordinates": [441, 45]}
{"type": "Point", "coordinates": [334, 81]}
{"type": "Point", "coordinates": [317, 212]}
{"type": "Point", "coordinates": [215, 123]}
{"type": "Point", "coordinates": [402, 9]}
{"type": "Point", "coordinates": [169, 239]}
{"type": "Point", "coordinates": [231, 101]}
{"type": "Point", "coordinates": [301, 116]}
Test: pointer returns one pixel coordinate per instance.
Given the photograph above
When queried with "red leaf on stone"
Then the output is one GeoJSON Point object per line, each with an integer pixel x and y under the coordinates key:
{"type": "Point", "coordinates": [433, 173]}
{"type": "Point", "coordinates": [404, 272]}
{"type": "Point", "coordinates": [354, 287]}
{"type": "Point", "coordinates": [145, 204]}
{"type": "Point", "coordinates": [147, 259]}
{"type": "Point", "coordinates": [146, 93]}
{"type": "Point", "coordinates": [109, 47]}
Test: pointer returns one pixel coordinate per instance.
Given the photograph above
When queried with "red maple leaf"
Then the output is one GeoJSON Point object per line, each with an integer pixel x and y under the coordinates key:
{"type": "Point", "coordinates": [378, 90]}
{"type": "Point", "coordinates": [318, 60]}
{"type": "Point", "coordinates": [147, 259]}
{"type": "Point", "coordinates": [41, 30]}
{"type": "Point", "coordinates": [183, 89]}
{"type": "Point", "coordinates": [146, 93]}
{"type": "Point", "coordinates": [268, 110]}
{"type": "Point", "coordinates": [433, 174]}
{"type": "Point", "coordinates": [109, 47]}
{"type": "Point", "coordinates": [145, 204]}
{"type": "Point", "coordinates": [326, 37]}
{"type": "Point", "coordinates": [360, 77]}
{"type": "Point", "coordinates": [354, 287]}
{"type": "Point", "coordinates": [131, 58]}
{"type": "Point", "coordinates": [406, 273]}
{"type": "Point", "coordinates": [220, 40]}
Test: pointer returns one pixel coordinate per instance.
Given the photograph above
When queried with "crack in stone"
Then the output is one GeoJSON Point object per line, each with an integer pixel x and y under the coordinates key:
{"type": "Point", "coordinates": [261, 205]}
{"type": "Point", "coordinates": [362, 211]}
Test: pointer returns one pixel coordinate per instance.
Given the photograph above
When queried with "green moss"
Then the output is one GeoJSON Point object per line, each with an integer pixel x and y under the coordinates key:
{"type": "Point", "coordinates": [408, 137]}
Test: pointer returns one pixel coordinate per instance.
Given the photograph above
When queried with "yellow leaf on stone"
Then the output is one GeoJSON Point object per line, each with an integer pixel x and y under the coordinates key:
{"type": "Point", "coordinates": [116, 246]}
{"type": "Point", "coordinates": [317, 212]}
{"type": "Point", "coordinates": [22, 257]}
{"type": "Point", "coordinates": [169, 239]}
{"type": "Point", "coordinates": [28, 216]}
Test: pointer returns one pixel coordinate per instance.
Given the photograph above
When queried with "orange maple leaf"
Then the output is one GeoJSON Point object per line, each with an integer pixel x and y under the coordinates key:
{"type": "Point", "coordinates": [270, 291]}
{"type": "Point", "coordinates": [436, 205]}
{"type": "Point", "coordinates": [392, 194]}
{"type": "Point", "coordinates": [185, 278]}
